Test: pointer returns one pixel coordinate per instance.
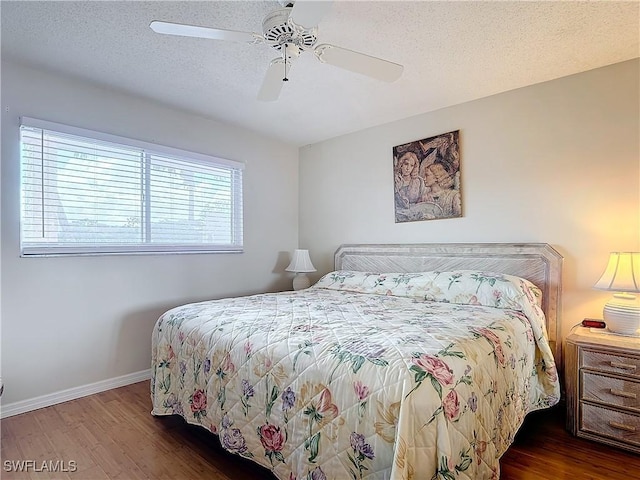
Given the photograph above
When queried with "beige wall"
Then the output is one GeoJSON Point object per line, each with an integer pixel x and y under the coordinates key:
{"type": "Point", "coordinates": [556, 162]}
{"type": "Point", "coordinates": [72, 321]}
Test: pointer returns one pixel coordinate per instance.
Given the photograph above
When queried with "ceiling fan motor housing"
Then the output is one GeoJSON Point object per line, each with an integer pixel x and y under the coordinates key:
{"type": "Point", "coordinates": [279, 30]}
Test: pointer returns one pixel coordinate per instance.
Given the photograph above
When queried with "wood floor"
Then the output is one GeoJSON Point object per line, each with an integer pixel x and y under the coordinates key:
{"type": "Point", "coordinates": [111, 435]}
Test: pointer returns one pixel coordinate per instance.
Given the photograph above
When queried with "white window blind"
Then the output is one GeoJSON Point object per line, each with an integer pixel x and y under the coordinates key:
{"type": "Point", "coordinates": [85, 192]}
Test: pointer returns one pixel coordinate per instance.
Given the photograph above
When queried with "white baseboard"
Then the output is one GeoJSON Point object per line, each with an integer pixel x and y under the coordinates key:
{"type": "Point", "coordinates": [23, 406]}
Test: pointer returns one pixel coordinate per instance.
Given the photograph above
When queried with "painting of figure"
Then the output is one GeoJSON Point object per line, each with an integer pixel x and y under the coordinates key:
{"type": "Point", "coordinates": [427, 178]}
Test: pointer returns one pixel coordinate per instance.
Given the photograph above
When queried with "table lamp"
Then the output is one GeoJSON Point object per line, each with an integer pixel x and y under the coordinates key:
{"type": "Point", "coordinates": [301, 265]}
{"type": "Point", "coordinates": [622, 275]}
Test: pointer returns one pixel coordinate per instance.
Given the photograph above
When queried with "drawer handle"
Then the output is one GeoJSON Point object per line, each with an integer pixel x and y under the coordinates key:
{"type": "Point", "coordinates": [624, 366]}
{"type": "Point", "coordinates": [622, 393]}
{"type": "Point", "coordinates": [622, 426]}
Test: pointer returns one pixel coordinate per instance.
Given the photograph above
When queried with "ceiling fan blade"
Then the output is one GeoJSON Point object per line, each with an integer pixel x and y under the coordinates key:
{"type": "Point", "coordinates": [182, 30]}
{"type": "Point", "coordinates": [308, 13]}
{"type": "Point", "coordinates": [359, 62]}
{"type": "Point", "coordinates": [274, 79]}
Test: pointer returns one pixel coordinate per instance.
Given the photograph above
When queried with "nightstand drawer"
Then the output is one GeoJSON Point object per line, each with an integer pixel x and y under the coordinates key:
{"type": "Point", "coordinates": [607, 362]}
{"type": "Point", "coordinates": [611, 390]}
{"type": "Point", "coordinates": [624, 427]}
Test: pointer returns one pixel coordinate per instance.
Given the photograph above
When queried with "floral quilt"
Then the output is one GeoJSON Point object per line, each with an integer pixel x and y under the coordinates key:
{"type": "Point", "coordinates": [363, 375]}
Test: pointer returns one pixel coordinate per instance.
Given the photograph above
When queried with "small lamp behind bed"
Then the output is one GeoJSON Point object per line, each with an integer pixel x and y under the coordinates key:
{"type": "Point", "coordinates": [301, 265]}
{"type": "Point", "coordinates": [622, 275]}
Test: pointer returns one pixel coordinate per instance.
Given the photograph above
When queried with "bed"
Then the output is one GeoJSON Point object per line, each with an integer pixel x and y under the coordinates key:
{"type": "Point", "coordinates": [406, 362]}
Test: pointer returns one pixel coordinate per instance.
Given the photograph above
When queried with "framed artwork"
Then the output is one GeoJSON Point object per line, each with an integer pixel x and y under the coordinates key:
{"type": "Point", "coordinates": [427, 178]}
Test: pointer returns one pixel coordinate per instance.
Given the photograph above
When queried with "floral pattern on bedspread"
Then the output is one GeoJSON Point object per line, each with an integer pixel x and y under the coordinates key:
{"type": "Point", "coordinates": [362, 375]}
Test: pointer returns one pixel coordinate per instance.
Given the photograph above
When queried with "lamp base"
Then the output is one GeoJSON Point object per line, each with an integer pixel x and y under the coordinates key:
{"type": "Point", "coordinates": [301, 281]}
{"type": "Point", "coordinates": [622, 314]}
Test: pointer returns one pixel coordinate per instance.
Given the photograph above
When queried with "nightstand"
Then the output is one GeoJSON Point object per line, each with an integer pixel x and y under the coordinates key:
{"type": "Point", "coordinates": [602, 379]}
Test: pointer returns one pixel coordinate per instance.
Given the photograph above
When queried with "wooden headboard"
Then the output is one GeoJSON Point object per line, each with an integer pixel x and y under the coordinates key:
{"type": "Point", "coordinates": [537, 262]}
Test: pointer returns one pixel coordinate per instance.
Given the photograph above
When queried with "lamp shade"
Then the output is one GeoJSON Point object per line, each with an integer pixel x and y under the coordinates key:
{"type": "Point", "coordinates": [622, 273]}
{"type": "Point", "coordinates": [300, 262]}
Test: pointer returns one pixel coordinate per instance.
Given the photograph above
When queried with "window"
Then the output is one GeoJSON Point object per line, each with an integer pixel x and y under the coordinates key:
{"type": "Point", "coordinates": [84, 192]}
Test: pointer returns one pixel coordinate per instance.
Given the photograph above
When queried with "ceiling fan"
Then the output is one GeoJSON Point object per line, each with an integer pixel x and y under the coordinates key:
{"type": "Point", "coordinates": [291, 30]}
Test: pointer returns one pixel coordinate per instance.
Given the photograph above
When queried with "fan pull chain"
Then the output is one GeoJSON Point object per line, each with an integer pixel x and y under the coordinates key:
{"type": "Point", "coordinates": [285, 79]}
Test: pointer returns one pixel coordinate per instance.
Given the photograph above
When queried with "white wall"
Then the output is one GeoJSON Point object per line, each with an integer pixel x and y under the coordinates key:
{"type": "Point", "coordinates": [68, 322]}
{"type": "Point", "coordinates": [556, 162]}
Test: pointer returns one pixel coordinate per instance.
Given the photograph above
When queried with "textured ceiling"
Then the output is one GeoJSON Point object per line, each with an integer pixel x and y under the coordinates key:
{"type": "Point", "coordinates": [452, 52]}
